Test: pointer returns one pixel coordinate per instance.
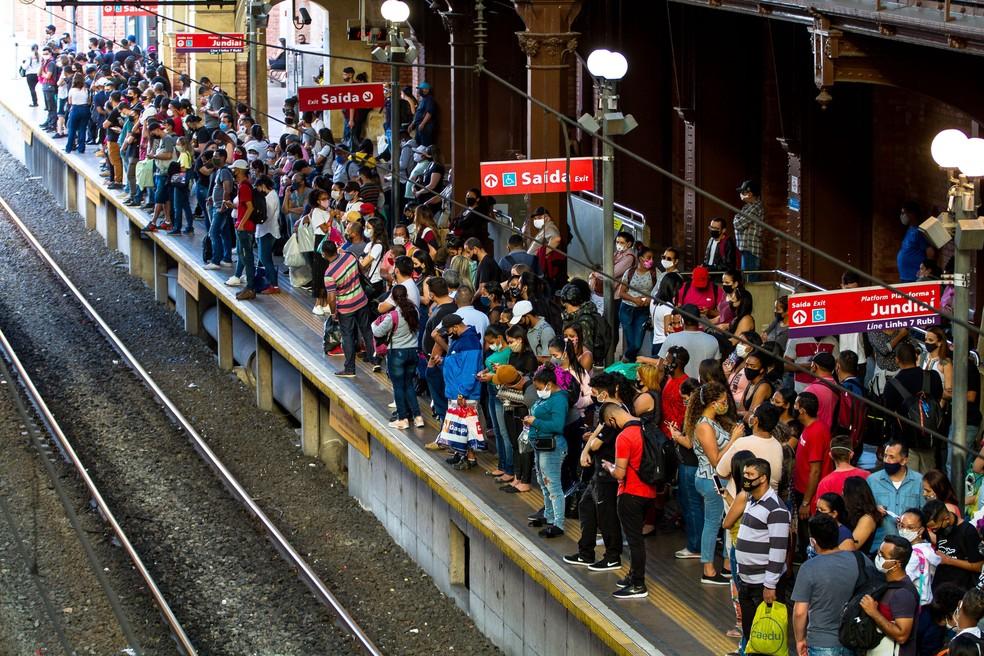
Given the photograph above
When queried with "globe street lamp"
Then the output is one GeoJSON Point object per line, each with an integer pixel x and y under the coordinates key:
{"type": "Point", "coordinates": [608, 68]}
{"type": "Point", "coordinates": [396, 12]}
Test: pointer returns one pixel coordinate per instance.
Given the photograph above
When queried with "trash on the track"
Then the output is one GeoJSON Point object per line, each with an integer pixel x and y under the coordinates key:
{"type": "Point", "coordinates": [414, 630]}
{"type": "Point", "coordinates": [192, 386]}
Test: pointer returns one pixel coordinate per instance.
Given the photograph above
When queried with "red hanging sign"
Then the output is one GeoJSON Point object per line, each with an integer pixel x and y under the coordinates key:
{"type": "Point", "coordinates": [210, 43]}
{"type": "Point", "coordinates": [537, 176]}
{"type": "Point", "coordinates": [340, 96]}
{"type": "Point", "coordinates": [125, 9]}
{"type": "Point", "coordinates": [862, 309]}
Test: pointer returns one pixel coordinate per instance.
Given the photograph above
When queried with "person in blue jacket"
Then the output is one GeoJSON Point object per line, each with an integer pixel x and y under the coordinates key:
{"type": "Point", "coordinates": [913, 249]}
{"type": "Point", "coordinates": [462, 364]}
{"type": "Point", "coordinates": [546, 432]}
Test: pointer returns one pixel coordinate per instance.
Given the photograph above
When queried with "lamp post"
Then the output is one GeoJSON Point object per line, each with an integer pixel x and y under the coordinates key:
{"type": "Point", "coordinates": [953, 151]}
{"type": "Point", "coordinates": [395, 12]}
{"type": "Point", "coordinates": [608, 68]}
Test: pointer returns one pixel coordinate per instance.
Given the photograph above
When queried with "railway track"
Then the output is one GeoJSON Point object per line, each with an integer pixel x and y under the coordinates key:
{"type": "Point", "coordinates": [181, 576]}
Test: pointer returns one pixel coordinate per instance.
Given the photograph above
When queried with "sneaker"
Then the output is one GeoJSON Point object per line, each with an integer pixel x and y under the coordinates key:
{"type": "Point", "coordinates": [376, 367]}
{"type": "Point", "coordinates": [686, 554]}
{"type": "Point", "coordinates": [234, 281]}
{"type": "Point", "coordinates": [402, 424]}
{"type": "Point", "coordinates": [624, 582]}
{"type": "Point", "coordinates": [226, 263]}
{"type": "Point", "coordinates": [631, 592]}
{"type": "Point", "coordinates": [418, 422]}
{"type": "Point", "coordinates": [465, 464]}
{"type": "Point", "coordinates": [245, 295]}
{"type": "Point", "coordinates": [318, 310]}
{"type": "Point", "coordinates": [272, 289]}
{"type": "Point", "coordinates": [345, 374]}
{"type": "Point", "coordinates": [211, 266]}
{"type": "Point", "coordinates": [174, 232]}
{"type": "Point", "coordinates": [577, 559]}
{"type": "Point", "coordinates": [455, 459]}
{"type": "Point", "coordinates": [337, 351]}
{"type": "Point", "coordinates": [433, 446]}
{"type": "Point", "coordinates": [189, 231]}
{"type": "Point", "coordinates": [550, 532]}
{"type": "Point", "coordinates": [538, 515]}
{"type": "Point", "coordinates": [717, 579]}
{"type": "Point", "coordinates": [605, 565]}
{"type": "Point", "coordinates": [391, 405]}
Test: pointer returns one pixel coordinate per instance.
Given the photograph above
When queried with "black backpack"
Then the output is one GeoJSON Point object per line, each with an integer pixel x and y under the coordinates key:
{"type": "Point", "coordinates": [656, 456]}
{"type": "Point", "coordinates": [259, 207]}
{"type": "Point", "coordinates": [857, 629]}
{"type": "Point", "coordinates": [922, 409]}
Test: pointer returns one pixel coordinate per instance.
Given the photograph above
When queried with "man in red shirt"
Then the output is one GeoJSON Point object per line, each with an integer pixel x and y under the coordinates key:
{"type": "Point", "coordinates": [244, 228]}
{"type": "Point", "coordinates": [841, 452]}
{"type": "Point", "coordinates": [822, 368]}
{"type": "Point", "coordinates": [634, 496]}
{"type": "Point", "coordinates": [812, 463]}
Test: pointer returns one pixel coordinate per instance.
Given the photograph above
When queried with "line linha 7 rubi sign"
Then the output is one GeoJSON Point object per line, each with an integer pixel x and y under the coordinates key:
{"type": "Point", "coordinates": [210, 43]}
{"type": "Point", "coordinates": [863, 309]}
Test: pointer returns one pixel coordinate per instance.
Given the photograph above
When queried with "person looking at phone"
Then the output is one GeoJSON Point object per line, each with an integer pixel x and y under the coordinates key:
{"type": "Point", "coordinates": [896, 488]}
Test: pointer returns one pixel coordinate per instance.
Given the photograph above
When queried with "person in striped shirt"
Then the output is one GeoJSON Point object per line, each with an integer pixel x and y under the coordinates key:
{"type": "Point", "coordinates": [763, 538]}
{"type": "Point", "coordinates": [348, 303]}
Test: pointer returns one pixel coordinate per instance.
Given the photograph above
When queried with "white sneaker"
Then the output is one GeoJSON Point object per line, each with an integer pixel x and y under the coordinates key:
{"type": "Point", "coordinates": [392, 405]}
{"type": "Point", "coordinates": [318, 310]}
{"type": "Point", "coordinates": [686, 554]}
{"type": "Point", "coordinates": [402, 424]}
{"type": "Point", "coordinates": [211, 266]}
{"type": "Point", "coordinates": [418, 422]}
{"type": "Point", "coordinates": [234, 281]}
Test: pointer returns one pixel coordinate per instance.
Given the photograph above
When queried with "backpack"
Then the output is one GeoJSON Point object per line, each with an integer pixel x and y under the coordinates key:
{"type": "Point", "coordinates": [857, 630]}
{"type": "Point", "coordinates": [259, 207]}
{"type": "Point", "coordinates": [655, 463]}
{"type": "Point", "coordinates": [850, 414]}
{"type": "Point", "coordinates": [922, 409]}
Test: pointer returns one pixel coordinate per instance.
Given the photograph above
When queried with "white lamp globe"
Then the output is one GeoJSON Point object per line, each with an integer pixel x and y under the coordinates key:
{"type": "Point", "coordinates": [617, 66]}
{"type": "Point", "coordinates": [598, 62]}
{"type": "Point", "coordinates": [947, 148]}
{"type": "Point", "coordinates": [395, 11]}
{"type": "Point", "coordinates": [971, 161]}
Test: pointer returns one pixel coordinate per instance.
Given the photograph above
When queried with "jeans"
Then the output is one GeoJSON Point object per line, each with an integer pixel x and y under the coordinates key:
{"type": "Point", "coordinates": [750, 261]}
{"type": "Point", "coordinates": [598, 511]}
{"type": "Point", "coordinates": [353, 325]}
{"type": "Point", "coordinates": [32, 83]}
{"type": "Point", "coordinates": [435, 385]}
{"type": "Point", "coordinates": [181, 207]}
{"type": "Point", "coordinates": [161, 189]}
{"type": "Point", "coordinates": [244, 255]}
{"type": "Point", "coordinates": [265, 247]}
{"type": "Point", "coordinates": [633, 320]}
{"type": "Point", "coordinates": [78, 122]}
{"type": "Point", "coordinates": [548, 476]}
{"type": "Point", "coordinates": [691, 506]}
{"type": "Point", "coordinates": [713, 513]}
{"type": "Point", "coordinates": [401, 365]}
{"type": "Point", "coordinates": [503, 447]}
{"type": "Point", "coordinates": [632, 515]}
{"type": "Point", "coordinates": [50, 94]}
{"type": "Point", "coordinates": [829, 651]}
{"type": "Point", "coordinates": [220, 250]}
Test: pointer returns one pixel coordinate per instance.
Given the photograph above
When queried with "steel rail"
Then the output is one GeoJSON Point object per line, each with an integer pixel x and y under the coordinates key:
{"type": "Point", "coordinates": [306, 573]}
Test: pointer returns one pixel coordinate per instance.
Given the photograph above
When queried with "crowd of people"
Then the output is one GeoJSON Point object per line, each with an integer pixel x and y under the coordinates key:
{"type": "Point", "coordinates": [734, 429]}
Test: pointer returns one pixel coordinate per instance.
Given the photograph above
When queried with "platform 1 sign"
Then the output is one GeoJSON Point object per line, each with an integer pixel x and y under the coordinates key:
{"type": "Point", "coordinates": [210, 43]}
{"type": "Point", "coordinates": [862, 309]}
{"type": "Point", "coordinates": [340, 96]}
{"type": "Point", "coordinates": [537, 176]}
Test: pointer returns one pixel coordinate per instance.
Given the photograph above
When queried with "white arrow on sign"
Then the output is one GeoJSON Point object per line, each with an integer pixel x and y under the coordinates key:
{"type": "Point", "coordinates": [799, 316]}
{"type": "Point", "coordinates": [491, 181]}
{"type": "Point", "coordinates": [367, 96]}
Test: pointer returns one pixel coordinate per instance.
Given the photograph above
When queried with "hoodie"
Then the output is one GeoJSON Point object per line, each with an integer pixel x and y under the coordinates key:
{"type": "Point", "coordinates": [461, 364]}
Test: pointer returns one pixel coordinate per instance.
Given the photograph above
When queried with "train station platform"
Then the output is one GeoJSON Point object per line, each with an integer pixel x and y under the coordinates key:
{"type": "Point", "coordinates": [469, 537]}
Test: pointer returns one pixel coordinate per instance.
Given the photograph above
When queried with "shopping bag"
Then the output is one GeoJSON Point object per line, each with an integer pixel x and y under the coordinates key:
{"type": "Point", "coordinates": [293, 257]}
{"type": "Point", "coordinates": [333, 334]}
{"type": "Point", "coordinates": [300, 276]}
{"type": "Point", "coordinates": [145, 173]}
{"type": "Point", "coordinates": [768, 632]}
{"type": "Point", "coordinates": [305, 237]}
{"type": "Point", "coordinates": [462, 430]}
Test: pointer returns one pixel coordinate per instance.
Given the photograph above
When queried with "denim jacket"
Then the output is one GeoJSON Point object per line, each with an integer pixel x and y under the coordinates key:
{"type": "Point", "coordinates": [908, 495]}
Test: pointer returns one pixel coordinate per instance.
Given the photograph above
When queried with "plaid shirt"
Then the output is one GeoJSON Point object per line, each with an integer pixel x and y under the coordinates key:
{"type": "Point", "coordinates": [748, 233]}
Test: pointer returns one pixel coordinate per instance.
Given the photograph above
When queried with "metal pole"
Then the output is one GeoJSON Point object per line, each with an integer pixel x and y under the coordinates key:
{"type": "Point", "coordinates": [251, 54]}
{"type": "Point", "coordinates": [394, 121]}
{"type": "Point", "coordinates": [961, 352]}
{"type": "Point", "coordinates": [608, 213]}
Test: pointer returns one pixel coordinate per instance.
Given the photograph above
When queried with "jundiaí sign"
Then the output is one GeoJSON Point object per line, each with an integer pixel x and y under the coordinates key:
{"type": "Point", "coordinates": [537, 176]}
{"type": "Point", "coordinates": [340, 96]}
{"type": "Point", "coordinates": [862, 309]}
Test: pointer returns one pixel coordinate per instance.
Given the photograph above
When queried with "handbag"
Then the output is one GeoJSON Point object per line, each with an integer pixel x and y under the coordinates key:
{"type": "Point", "coordinates": [545, 443]}
{"type": "Point", "coordinates": [382, 347]}
{"type": "Point", "coordinates": [145, 173]}
{"type": "Point", "coordinates": [523, 443]}
{"type": "Point", "coordinates": [332, 335]}
{"type": "Point", "coordinates": [305, 237]}
{"type": "Point", "coordinates": [22, 71]}
{"type": "Point", "coordinates": [293, 257]}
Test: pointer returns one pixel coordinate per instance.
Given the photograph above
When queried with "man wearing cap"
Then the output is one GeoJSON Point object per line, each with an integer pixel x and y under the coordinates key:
{"type": "Point", "coordinates": [822, 367]}
{"type": "Point", "coordinates": [462, 387]}
{"type": "Point", "coordinates": [539, 333]}
{"type": "Point", "coordinates": [701, 291]}
{"type": "Point", "coordinates": [748, 226]}
{"type": "Point", "coordinates": [699, 345]}
{"type": "Point", "coordinates": [423, 119]}
{"type": "Point", "coordinates": [542, 229]}
{"type": "Point", "coordinates": [134, 47]}
{"type": "Point", "coordinates": [721, 252]}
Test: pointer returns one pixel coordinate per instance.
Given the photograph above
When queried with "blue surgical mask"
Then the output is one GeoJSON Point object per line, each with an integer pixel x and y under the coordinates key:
{"type": "Point", "coordinates": [223, 126]}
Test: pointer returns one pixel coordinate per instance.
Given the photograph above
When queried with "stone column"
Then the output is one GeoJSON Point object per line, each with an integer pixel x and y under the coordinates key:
{"type": "Point", "coordinates": [549, 45]}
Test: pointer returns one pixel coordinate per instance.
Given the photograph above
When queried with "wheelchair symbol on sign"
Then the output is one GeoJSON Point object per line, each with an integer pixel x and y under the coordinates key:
{"type": "Point", "coordinates": [819, 316]}
{"type": "Point", "coordinates": [508, 179]}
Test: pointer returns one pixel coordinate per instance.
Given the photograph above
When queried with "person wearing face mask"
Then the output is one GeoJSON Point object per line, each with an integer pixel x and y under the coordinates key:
{"type": "Point", "coordinates": [634, 309]}
{"type": "Point", "coordinates": [841, 454]}
{"type": "Point", "coordinates": [824, 585]}
{"type": "Point", "coordinates": [487, 271]}
{"type": "Point", "coordinates": [912, 251]}
{"type": "Point", "coordinates": [778, 329]}
{"type": "Point", "coordinates": [539, 228]}
{"type": "Point", "coordinates": [721, 253]}
{"type": "Point", "coordinates": [957, 543]}
{"type": "Point", "coordinates": [295, 197]}
{"type": "Point", "coordinates": [764, 521]}
{"type": "Point", "coordinates": [461, 365]}
{"type": "Point", "coordinates": [539, 333]}
{"type": "Point", "coordinates": [900, 601]}
{"type": "Point", "coordinates": [812, 461]}
{"type": "Point", "coordinates": [922, 566]}
{"type": "Point", "coordinates": [968, 616]}
{"type": "Point", "coordinates": [625, 261]}
{"type": "Point", "coordinates": [760, 442]}
{"type": "Point", "coordinates": [896, 487]}
{"type": "Point", "coordinates": [546, 433]}
{"type": "Point", "coordinates": [734, 367]}
{"type": "Point", "coordinates": [822, 367]}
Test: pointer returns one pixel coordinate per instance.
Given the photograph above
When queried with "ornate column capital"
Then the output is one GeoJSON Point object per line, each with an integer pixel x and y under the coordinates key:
{"type": "Point", "coordinates": [551, 45]}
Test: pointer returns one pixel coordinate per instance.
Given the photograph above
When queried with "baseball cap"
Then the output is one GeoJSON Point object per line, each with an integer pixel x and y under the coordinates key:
{"type": "Point", "coordinates": [824, 360]}
{"type": "Point", "coordinates": [420, 149]}
{"type": "Point", "coordinates": [240, 164]}
{"type": "Point", "coordinates": [540, 211]}
{"type": "Point", "coordinates": [701, 277]}
{"type": "Point", "coordinates": [748, 185]}
{"type": "Point", "coordinates": [520, 310]}
{"type": "Point", "coordinates": [367, 208]}
{"type": "Point", "coordinates": [424, 85]}
{"type": "Point", "coordinates": [451, 320]}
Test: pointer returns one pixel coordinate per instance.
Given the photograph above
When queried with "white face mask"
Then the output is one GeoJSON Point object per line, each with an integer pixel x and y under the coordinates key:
{"type": "Point", "coordinates": [880, 564]}
{"type": "Point", "coordinates": [619, 248]}
{"type": "Point", "coordinates": [399, 241]}
{"type": "Point", "coordinates": [742, 350]}
{"type": "Point", "coordinates": [909, 534]}
{"type": "Point", "coordinates": [367, 233]}
{"type": "Point", "coordinates": [667, 264]}
{"type": "Point", "coordinates": [251, 158]}
{"type": "Point", "coordinates": [543, 394]}
{"type": "Point", "coordinates": [336, 194]}
{"type": "Point", "coordinates": [538, 224]}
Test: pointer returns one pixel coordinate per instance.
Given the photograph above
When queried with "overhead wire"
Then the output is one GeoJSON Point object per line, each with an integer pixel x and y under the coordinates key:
{"type": "Point", "coordinates": [710, 326]}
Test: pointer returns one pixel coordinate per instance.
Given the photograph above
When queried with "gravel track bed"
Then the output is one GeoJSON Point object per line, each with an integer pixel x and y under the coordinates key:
{"type": "Point", "coordinates": [79, 602]}
{"type": "Point", "coordinates": [384, 590]}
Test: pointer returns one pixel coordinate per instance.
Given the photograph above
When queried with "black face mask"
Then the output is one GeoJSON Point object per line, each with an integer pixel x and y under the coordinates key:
{"type": "Point", "coordinates": [752, 374]}
{"type": "Point", "coordinates": [749, 484]}
{"type": "Point", "coordinates": [778, 316]}
{"type": "Point", "coordinates": [715, 234]}
{"type": "Point", "coordinates": [514, 292]}
{"type": "Point", "coordinates": [728, 288]}
{"type": "Point", "coordinates": [470, 202]}
{"type": "Point", "coordinates": [932, 347]}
